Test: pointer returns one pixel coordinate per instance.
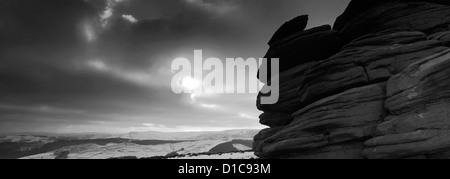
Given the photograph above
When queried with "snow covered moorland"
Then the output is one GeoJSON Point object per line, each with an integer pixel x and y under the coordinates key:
{"type": "Point", "coordinates": [235, 144]}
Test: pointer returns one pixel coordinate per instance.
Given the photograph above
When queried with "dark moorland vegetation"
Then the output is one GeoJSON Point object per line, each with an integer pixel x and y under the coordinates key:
{"type": "Point", "coordinates": [182, 156]}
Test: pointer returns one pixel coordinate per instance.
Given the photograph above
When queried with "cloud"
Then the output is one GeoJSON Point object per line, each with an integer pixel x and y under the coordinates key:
{"type": "Point", "coordinates": [219, 7]}
{"type": "Point", "coordinates": [26, 24]}
{"type": "Point", "coordinates": [108, 11]}
{"type": "Point", "coordinates": [146, 78]}
{"type": "Point", "coordinates": [104, 65]}
{"type": "Point", "coordinates": [89, 32]}
{"type": "Point", "coordinates": [247, 116]}
{"type": "Point", "coordinates": [130, 18]}
{"type": "Point", "coordinates": [209, 106]}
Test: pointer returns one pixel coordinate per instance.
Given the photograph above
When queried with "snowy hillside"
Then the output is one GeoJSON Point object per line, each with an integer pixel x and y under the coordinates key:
{"type": "Point", "coordinates": [135, 144]}
{"type": "Point", "coordinates": [229, 134]}
{"type": "Point", "coordinates": [90, 151]}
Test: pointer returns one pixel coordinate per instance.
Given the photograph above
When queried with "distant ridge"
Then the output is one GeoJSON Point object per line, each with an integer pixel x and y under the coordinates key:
{"type": "Point", "coordinates": [208, 135]}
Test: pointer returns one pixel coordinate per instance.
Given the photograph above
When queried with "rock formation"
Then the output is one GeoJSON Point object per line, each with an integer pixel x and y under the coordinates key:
{"type": "Point", "coordinates": [317, 43]}
{"type": "Point", "coordinates": [374, 86]}
{"type": "Point", "coordinates": [295, 25]}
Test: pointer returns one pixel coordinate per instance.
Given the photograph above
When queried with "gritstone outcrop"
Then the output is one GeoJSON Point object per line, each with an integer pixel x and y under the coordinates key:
{"type": "Point", "coordinates": [376, 85]}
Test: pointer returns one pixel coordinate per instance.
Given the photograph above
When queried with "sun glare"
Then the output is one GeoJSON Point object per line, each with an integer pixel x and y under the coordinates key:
{"type": "Point", "coordinates": [190, 83]}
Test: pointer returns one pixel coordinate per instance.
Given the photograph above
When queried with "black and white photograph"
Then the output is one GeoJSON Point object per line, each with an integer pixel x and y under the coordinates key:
{"type": "Point", "coordinates": [214, 80]}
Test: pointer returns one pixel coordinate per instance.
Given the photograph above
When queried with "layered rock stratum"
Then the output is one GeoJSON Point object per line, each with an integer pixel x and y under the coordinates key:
{"type": "Point", "coordinates": [375, 86]}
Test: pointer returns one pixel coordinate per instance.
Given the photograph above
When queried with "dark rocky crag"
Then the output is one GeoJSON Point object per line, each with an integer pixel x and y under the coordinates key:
{"type": "Point", "coordinates": [374, 86]}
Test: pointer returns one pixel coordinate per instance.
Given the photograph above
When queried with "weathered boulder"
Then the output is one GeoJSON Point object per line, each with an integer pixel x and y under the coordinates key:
{"type": "Point", "coordinates": [351, 115]}
{"type": "Point", "coordinates": [384, 93]}
{"type": "Point", "coordinates": [323, 116]}
{"type": "Point", "coordinates": [364, 61]}
{"type": "Point", "coordinates": [274, 119]}
{"type": "Point", "coordinates": [421, 84]}
{"type": "Point", "coordinates": [293, 26]}
{"type": "Point", "coordinates": [361, 66]}
{"type": "Point", "coordinates": [310, 45]}
{"type": "Point", "coordinates": [258, 140]}
{"type": "Point", "coordinates": [343, 151]}
{"type": "Point", "coordinates": [388, 37]}
{"type": "Point", "coordinates": [357, 7]}
{"type": "Point", "coordinates": [419, 100]}
{"type": "Point", "coordinates": [429, 117]}
{"type": "Point", "coordinates": [288, 86]}
{"type": "Point", "coordinates": [408, 144]}
{"type": "Point", "coordinates": [364, 17]}
{"type": "Point", "coordinates": [441, 36]}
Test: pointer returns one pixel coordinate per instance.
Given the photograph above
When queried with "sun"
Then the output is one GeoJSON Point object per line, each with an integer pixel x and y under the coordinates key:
{"type": "Point", "coordinates": [190, 83]}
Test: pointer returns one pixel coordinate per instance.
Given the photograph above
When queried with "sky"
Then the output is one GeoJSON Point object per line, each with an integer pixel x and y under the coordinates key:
{"type": "Point", "coordinates": [76, 66]}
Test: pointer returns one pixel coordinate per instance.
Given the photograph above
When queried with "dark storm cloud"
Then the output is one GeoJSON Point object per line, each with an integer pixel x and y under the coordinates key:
{"type": "Point", "coordinates": [43, 22]}
{"type": "Point", "coordinates": [235, 28]}
{"type": "Point", "coordinates": [41, 47]}
{"type": "Point", "coordinates": [80, 62]}
{"type": "Point", "coordinates": [163, 27]}
{"type": "Point", "coordinates": [40, 39]}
